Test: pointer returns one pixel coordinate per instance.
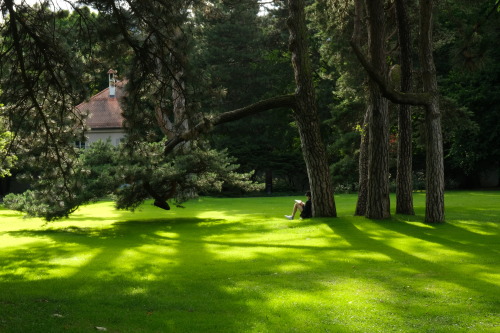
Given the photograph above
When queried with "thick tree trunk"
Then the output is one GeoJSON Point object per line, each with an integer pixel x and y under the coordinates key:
{"type": "Point", "coordinates": [304, 105]}
{"type": "Point", "coordinates": [307, 116]}
{"type": "Point", "coordinates": [175, 121]}
{"type": "Point", "coordinates": [363, 146]}
{"type": "Point", "coordinates": [178, 64]}
{"type": "Point", "coordinates": [378, 203]}
{"type": "Point", "coordinates": [404, 183]}
{"type": "Point", "coordinates": [434, 201]}
{"type": "Point", "coordinates": [404, 180]}
{"type": "Point", "coordinates": [434, 210]}
{"type": "Point", "coordinates": [363, 167]}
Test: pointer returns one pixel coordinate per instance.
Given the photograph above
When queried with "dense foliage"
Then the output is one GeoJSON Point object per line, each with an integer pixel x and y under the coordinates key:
{"type": "Point", "coordinates": [189, 60]}
{"type": "Point", "coordinates": [104, 170]}
{"type": "Point", "coordinates": [245, 58]}
{"type": "Point", "coordinates": [7, 159]}
{"type": "Point", "coordinates": [469, 66]}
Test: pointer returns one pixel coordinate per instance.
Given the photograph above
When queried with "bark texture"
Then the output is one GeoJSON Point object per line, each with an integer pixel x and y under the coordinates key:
{"type": "Point", "coordinates": [359, 12]}
{"type": "Point", "coordinates": [434, 209]}
{"type": "Point", "coordinates": [306, 115]}
{"type": "Point", "coordinates": [404, 181]}
{"type": "Point", "coordinates": [378, 203]}
{"type": "Point", "coordinates": [363, 167]}
{"type": "Point", "coordinates": [175, 121]}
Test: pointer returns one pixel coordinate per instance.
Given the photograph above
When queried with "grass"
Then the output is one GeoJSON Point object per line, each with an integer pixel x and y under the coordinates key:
{"type": "Point", "coordinates": [236, 265]}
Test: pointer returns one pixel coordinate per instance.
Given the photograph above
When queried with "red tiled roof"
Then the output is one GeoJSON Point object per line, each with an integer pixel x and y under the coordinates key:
{"type": "Point", "coordinates": [104, 111]}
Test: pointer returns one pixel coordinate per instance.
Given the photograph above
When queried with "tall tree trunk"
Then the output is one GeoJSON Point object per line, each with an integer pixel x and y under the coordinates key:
{"type": "Point", "coordinates": [404, 183]}
{"type": "Point", "coordinates": [303, 103]}
{"type": "Point", "coordinates": [363, 146]}
{"type": "Point", "coordinates": [175, 121]}
{"type": "Point", "coordinates": [434, 209]}
{"type": "Point", "coordinates": [378, 203]}
{"type": "Point", "coordinates": [429, 99]}
{"type": "Point", "coordinates": [307, 117]}
{"type": "Point", "coordinates": [363, 167]}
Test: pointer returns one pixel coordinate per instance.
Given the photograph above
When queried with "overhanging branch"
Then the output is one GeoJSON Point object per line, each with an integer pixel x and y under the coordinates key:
{"type": "Point", "coordinates": [418, 99]}
{"type": "Point", "coordinates": [206, 125]}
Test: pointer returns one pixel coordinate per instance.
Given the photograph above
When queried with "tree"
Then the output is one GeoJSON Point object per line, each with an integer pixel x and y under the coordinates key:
{"type": "Point", "coordinates": [342, 86]}
{"type": "Point", "coordinates": [404, 178]}
{"type": "Point", "coordinates": [362, 201]}
{"type": "Point", "coordinates": [434, 202]}
{"type": "Point", "coordinates": [43, 80]}
{"type": "Point", "coordinates": [242, 57]}
{"type": "Point", "coordinates": [39, 78]}
{"type": "Point", "coordinates": [307, 116]}
{"type": "Point", "coordinates": [429, 99]}
{"type": "Point", "coordinates": [377, 187]}
{"type": "Point", "coordinates": [303, 104]}
{"type": "Point", "coordinates": [160, 87]}
{"type": "Point", "coordinates": [378, 203]}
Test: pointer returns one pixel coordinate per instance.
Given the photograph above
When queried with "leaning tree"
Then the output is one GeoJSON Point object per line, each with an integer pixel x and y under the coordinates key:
{"type": "Point", "coordinates": [303, 103]}
{"type": "Point", "coordinates": [161, 80]}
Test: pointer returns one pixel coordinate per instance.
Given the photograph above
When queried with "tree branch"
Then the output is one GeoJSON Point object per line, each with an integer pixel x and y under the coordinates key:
{"type": "Point", "coordinates": [206, 124]}
{"type": "Point", "coordinates": [419, 99]}
{"type": "Point", "coordinates": [28, 85]}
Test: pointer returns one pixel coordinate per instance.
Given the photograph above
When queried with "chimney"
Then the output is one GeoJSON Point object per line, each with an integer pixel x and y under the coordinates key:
{"type": "Point", "coordinates": [112, 81]}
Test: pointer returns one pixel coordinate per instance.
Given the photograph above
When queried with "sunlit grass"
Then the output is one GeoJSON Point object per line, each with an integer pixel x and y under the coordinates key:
{"type": "Point", "coordinates": [236, 265]}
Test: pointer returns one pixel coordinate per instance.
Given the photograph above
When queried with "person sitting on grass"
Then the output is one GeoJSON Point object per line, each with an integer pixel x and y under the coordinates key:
{"type": "Point", "coordinates": [304, 208]}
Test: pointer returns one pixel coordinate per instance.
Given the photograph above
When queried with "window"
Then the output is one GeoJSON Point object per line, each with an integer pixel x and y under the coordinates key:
{"type": "Point", "coordinates": [80, 144]}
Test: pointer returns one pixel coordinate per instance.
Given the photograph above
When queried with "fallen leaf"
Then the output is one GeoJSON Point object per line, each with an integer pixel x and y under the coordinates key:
{"type": "Point", "coordinates": [101, 328]}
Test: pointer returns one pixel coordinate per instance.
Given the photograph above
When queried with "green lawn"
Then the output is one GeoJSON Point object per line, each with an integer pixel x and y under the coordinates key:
{"type": "Point", "coordinates": [237, 265]}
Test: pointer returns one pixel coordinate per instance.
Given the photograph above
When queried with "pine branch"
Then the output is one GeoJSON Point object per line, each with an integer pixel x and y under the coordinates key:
{"type": "Point", "coordinates": [419, 99]}
{"type": "Point", "coordinates": [28, 85]}
{"type": "Point", "coordinates": [206, 125]}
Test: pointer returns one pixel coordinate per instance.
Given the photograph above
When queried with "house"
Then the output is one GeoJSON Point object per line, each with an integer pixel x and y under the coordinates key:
{"type": "Point", "coordinates": [105, 118]}
{"type": "Point", "coordinates": [105, 121]}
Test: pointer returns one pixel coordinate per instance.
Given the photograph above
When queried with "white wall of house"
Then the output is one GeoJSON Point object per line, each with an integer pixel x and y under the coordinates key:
{"type": "Point", "coordinates": [115, 135]}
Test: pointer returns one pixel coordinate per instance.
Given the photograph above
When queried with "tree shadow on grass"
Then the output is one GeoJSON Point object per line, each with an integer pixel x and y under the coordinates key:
{"type": "Point", "coordinates": [154, 276]}
{"type": "Point", "coordinates": [364, 241]}
{"type": "Point", "coordinates": [202, 275]}
{"type": "Point", "coordinates": [136, 276]}
{"type": "Point", "coordinates": [150, 273]}
{"type": "Point", "coordinates": [448, 234]}
{"type": "Point", "coordinates": [420, 282]}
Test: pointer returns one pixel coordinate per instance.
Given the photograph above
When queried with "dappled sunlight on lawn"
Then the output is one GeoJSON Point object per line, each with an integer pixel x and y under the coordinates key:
{"type": "Point", "coordinates": [45, 260]}
{"type": "Point", "coordinates": [491, 276]}
{"type": "Point", "coordinates": [167, 236]}
{"type": "Point", "coordinates": [480, 228]}
{"type": "Point", "coordinates": [219, 215]}
{"type": "Point", "coordinates": [243, 263]}
{"type": "Point", "coordinates": [363, 256]}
